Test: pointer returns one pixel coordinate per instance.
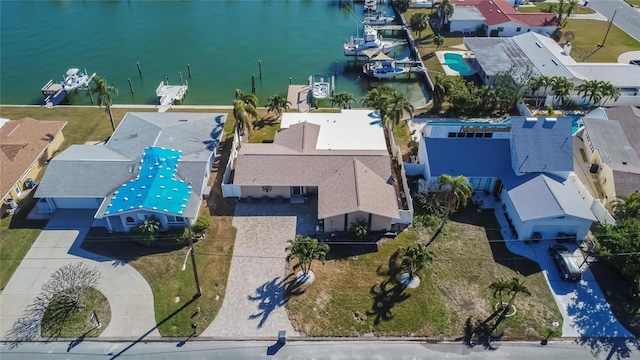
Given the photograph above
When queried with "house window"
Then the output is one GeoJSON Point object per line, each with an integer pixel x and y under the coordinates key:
{"type": "Point", "coordinates": [460, 135]}
{"type": "Point", "coordinates": [130, 220]}
{"type": "Point", "coordinates": [479, 134]}
{"type": "Point", "coordinates": [267, 189]}
{"type": "Point", "coordinates": [488, 135]}
{"type": "Point", "coordinates": [518, 29]}
{"type": "Point", "coordinates": [175, 219]}
{"type": "Point", "coordinates": [451, 135]}
{"type": "Point", "coordinates": [500, 29]}
{"type": "Point", "coordinates": [469, 135]}
{"type": "Point", "coordinates": [16, 188]}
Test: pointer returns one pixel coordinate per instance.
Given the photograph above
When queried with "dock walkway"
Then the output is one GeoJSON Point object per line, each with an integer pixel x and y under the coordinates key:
{"type": "Point", "coordinates": [299, 97]}
{"type": "Point", "coordinates": [169, 94]}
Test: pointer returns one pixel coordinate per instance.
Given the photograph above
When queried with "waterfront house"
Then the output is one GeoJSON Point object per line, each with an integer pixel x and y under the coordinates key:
{"type": "Point", "coordinates": [544, 57]}
{"type": "Point", "coordinates": [154, 164]}
{"type": "Point", "coordinates": [26, 146]}
{"type": "Point", "coordinates": [525, 164]}
{"type": "Point", "coordinates": [340, 158]}
{"type": "Point", "coordinates": [607, 152]}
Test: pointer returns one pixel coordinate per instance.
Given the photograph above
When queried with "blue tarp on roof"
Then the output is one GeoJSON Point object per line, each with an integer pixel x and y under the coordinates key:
{"type": "Point", "coordinates": [156, 188]}
{"type": "Point", "coordinates": [470, 157]}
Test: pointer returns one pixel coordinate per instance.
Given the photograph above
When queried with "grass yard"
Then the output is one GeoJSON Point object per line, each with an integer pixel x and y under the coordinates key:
{"type": "Point", "coordinates": [357, 295]}
{"type": "Point", "coordinates": [539, 7]}
{"type": "Point", "coordinates": [635, 3]}
{"type": "Point", "coordinates": [588, 33]}
{"type": "Point", "coordinates": [77, 323]}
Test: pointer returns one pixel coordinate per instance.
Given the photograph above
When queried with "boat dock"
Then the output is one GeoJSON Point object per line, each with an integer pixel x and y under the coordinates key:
{"type": "Point", "coordinates": [298, 96]}
{"type": "Point", "coordinates": [389, 27]}
{"type": "Point", "coordinates": [170, 94]}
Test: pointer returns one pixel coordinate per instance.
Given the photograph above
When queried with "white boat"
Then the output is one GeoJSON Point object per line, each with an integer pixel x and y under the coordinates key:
{"type": "Point", "coordinates": [320, 86]}
{"type": "Point", "coordinates": [370, 6]}
{"type": "Point", "coordinates": [378, 18]}
{"type": "Point", "coordinates": [384, 69]}
{"type": "Point", "coordinates": [369, 41]}
{"type": "Point", "coordinates": [74, 79]}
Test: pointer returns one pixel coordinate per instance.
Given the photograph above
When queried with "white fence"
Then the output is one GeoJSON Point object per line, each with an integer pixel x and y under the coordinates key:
{"type": "Point", "coordinates": [524, 109]}
{"type": "Point", "coordinates": [228, 189]}
{"type": "Point", "coordinates": [623, 100]}
{"type": "Point", "coordinates": [598, 210]}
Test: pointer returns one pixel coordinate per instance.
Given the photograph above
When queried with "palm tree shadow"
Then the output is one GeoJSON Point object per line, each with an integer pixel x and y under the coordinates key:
{"type": "Point", "coordinates": [265, 122]}
{"type": "Point", "coordinates": [273, 295]}
{"type": "Point", "coordinates": [384, 299]}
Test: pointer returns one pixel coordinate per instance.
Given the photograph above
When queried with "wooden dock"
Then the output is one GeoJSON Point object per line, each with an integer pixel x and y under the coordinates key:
{"type": "Point", "coordinates": [389, 27]}
{"type": "Point", "coordinates": [169, 94]}
{"type": "Point", "coordinates": [299, 97]}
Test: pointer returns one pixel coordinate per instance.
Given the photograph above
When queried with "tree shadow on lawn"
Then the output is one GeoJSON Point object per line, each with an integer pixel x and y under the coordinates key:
{"type": "Point", "coordinates": [340, 251]}
{"type": "Point", "coordinates": [388, 293]}
{"type": "Point", "coordinates": [274, 294]}
{"type": "Point", "coordinates": [265, 122]}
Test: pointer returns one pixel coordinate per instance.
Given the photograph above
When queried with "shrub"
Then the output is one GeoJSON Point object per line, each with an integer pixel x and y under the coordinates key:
{"type": "Point", "coordinates": [550, 109]}
{"type": "Point", "coordinates": [359, 229]}
{"type": "Point", "coordinates": [201, 225]}
{"type": "Point", "coordinates": [430, 221]}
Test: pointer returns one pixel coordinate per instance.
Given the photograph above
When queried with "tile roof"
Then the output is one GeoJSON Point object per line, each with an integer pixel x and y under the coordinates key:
{"type": "Point", "coordinates": [21, 144]}
{"type": "Point", "coordinates": [541, 144]}
{"type": "Point", "coordinates": [535, 19]}
{"type": "Point", "coordinates": [495, 12]}
{"type": "Point", "coordinates": [542, 197]}
{"type": "Point", "coordinates": [346, 179]}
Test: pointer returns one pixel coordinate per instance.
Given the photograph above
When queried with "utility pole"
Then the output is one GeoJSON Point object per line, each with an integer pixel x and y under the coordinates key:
{"type": "Point", "coordinates": [193, 261]}
{"type": "Point", "coordinates": [609, 28]}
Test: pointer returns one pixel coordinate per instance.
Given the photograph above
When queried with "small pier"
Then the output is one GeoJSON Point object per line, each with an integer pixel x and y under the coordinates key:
{"type": "Point", "coordinates": [299, 97]}
{"type": "Point", "coordinates": [170, 94]}
{"type": "Point", "coordinates": [389, 27]}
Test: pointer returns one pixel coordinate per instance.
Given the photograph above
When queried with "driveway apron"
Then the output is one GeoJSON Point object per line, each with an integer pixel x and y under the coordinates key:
{"type": "Point", "coordinates": [130, 297]}
{"type": "Point", "coordinates": [254, 301]}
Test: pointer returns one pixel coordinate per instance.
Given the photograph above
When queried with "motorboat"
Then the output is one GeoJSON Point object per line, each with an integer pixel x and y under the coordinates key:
{"type": "Point", "coordinates": [320, 86]}
{"type": "Point", "coordinates": [74, 79]}
{"type": "Point", "coordinates": [378, 18]}
{"type": "Point", "coordinates": [370, 6]}
{"type": "Point", "coordinates": [369, 41]}
{"type": "Point", "coordinates": [384, 69]}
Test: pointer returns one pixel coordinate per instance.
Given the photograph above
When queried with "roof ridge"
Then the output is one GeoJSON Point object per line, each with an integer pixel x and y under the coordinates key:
{"type": "Point", "coordinates": [546, 180]}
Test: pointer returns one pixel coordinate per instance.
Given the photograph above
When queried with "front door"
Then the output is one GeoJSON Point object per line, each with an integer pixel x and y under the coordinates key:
{"type": "Point", "coordinates": [297, 190]}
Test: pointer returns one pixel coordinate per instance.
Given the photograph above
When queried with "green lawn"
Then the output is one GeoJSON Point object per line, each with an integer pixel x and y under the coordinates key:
{"type": "Point", "coordinates": [77, 323]}
{"type": "Point", "coordinates": [543, 6]}
{"type": "Point", "coordinates": [589, 33]}
{"type": "Point", "coordinates": [355, 295]}
{"type": "Point", "coordinates": [635, 3]}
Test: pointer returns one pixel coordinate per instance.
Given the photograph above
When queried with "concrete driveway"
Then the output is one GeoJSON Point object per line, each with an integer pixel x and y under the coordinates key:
{"type": "Point", "coordinates": [257, 285]}
{"type": "Point", "coordinates": [129, 295]}
{"type": "Point", "coordinates": [584, 309]}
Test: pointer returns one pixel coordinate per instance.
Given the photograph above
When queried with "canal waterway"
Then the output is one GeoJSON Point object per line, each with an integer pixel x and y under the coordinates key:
{"type": "Point", "coordinates": [223, 41]}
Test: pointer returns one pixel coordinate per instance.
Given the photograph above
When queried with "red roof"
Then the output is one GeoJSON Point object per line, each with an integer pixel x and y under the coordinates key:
{"type": "Point", "coordinates": [499, 12]}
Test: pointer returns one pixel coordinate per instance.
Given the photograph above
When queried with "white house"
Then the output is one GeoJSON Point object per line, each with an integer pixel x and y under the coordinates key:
{"type": "Point", "coordinates": [524, 162]}
{"type": "Point", "coordinates": [154, 164]}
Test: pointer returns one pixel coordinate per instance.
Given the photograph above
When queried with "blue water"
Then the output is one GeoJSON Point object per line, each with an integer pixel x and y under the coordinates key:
{"type": "Point", "coordinates": [456, 63]}
{"type": "Point", "coordinates": [221, 40]}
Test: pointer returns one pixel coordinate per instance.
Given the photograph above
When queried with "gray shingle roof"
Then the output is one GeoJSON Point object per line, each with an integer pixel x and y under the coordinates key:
{"type": "Point", "coordinates": [543, 197]}
{"type": "Point", "coordinates": [629, 119]}
{"type": "Point", "coordinates": [98, 170]}
{"type": "Point", "coordinates": [610, 139]}
{"type": "Point", "coordinates": [626, 179]}
{"type": "Point", "coordinates": [541, 144]}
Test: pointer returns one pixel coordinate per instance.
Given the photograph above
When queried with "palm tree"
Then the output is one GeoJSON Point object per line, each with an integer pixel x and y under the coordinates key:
{"type": "Point", "coordinates": [277, 104]}
{"type": "Point", "coordinates": [572, 5]}
{"type": "Point", "coordinates": [305, 250]}
{"type": "Point", "coordinates": [244, 106]}
{"type": "Point", "coordinates": [397, 105]}
{"type": "Point", "coordinates": [378, 98]}
{"type": "Point", "coordinates": [104, 92]}
{"type": "Point", "coordinates": [359, 229]}
{"type": "Point", "coordinates": [149, 228]}
{"type": "Point", "coordinates": [540, 82]}
{"type": "Point", "coordinates": [609, 92]}
{"type": "Point", "coordinates": [343, 100]}
{"type": "Point", "coordinates": [414, 258]}
{"type": "Point", "coordinates": [560, 10]}
{"type": "Point", "coordinates": [441, 88]}
{"type": "Point", "coordinates": [445, 10]}
{"type": "Point", "coordinates": [438, 40]}
{"type": "Point", "coordinates": [452, 192]}
{"type": "Point", "coordinates": [419, 22]}
{"type": "Point", "coordinates": [590, 91]}
{"type": "Point", "coordinates": [499, 288]}
{"type": "Point", "coordinates": [561, 87]}
{"type": "Point", "coordinates": [626, 207]}
{"type": "Point", "coordinates": [516, 286]}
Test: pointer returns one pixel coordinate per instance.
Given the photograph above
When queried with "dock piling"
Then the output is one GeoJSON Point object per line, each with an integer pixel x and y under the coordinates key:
{"type": "Point", "coordinates": [336, 70]}
{"type": "Point", "coordinates": [260, 67]}
{"type": "Point", "coordinates": [290, 80]}
{"type": "Point", "coordinates": [189, 69]}
{"type": "Point", "coordinates": [180, 73]}
{"type": "Point", "coordinates": [139, 70]}
{"type": "Point", "coordinates": [166, 80]}
{"type": "Point", "coordinates": [253, 83]}
{"type": "Point", "coordinates": [130, 85]}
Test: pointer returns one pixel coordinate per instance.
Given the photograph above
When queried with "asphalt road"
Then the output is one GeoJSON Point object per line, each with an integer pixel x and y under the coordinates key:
{"type": "Point", "coordinates": [627, 18]}
{"type": "Point", "coordinates": [352, 350]}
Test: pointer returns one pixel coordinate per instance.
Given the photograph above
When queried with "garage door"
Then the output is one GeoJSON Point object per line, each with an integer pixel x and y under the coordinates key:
{"type": "Point", "coordinates": [78, 203]}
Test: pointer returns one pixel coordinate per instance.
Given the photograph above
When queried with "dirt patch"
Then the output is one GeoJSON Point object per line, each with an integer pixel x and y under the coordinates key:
{"type": "Point", "coordinates": [323, 299]}
{"type": "Point", "coordinates": [464, 298]}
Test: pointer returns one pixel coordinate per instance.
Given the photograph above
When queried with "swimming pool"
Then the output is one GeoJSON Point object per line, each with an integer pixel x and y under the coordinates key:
{"type": "Point", "coordinates": [576, 122]}
{"type": "Point", "coordinates": [456, 63]}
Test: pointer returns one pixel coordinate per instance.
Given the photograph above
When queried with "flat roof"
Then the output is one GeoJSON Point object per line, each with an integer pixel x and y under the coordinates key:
{"type": "Point", "coordinates": [346, 130]}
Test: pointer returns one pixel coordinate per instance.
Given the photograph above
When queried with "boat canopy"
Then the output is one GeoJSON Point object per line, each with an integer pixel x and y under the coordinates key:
{"type": "Point", "coordinates": [381, 57]}
{"type": "Point", "coordinates": [371, 52]}
{"type": "Point", "coordinates": [72, 71]}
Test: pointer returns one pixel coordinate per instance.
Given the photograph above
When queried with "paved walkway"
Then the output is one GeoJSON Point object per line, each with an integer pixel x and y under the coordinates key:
{"type": "Point", "coordinates": [626, 57]}
{"type": "Point", "coordinates": [584, 309]}
{"type": "Point", "coordinates": [255, 298]}
{"type": "Point", "coordinates": [299, 97]}
{"type": "Point", "coordinates": [129, 295]}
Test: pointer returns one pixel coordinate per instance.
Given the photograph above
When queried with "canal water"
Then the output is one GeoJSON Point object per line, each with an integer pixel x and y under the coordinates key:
{"type": "Point", "coordinates": [223, 41]}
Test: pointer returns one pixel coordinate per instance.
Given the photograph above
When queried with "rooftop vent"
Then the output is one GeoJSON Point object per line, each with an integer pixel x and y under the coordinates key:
{"type": "Point", "coordinates": [499, 11]}
{"type": "Point", "coordinates": [183, 120]}
{"type": "Point", "coordinates": [538, 45]}
{"type": "Point", "coordinates": [554, 62]}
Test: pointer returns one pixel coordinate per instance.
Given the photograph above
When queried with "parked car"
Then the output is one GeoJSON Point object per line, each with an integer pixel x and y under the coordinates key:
{"type": "Point", "coordinates": [565, 262]}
